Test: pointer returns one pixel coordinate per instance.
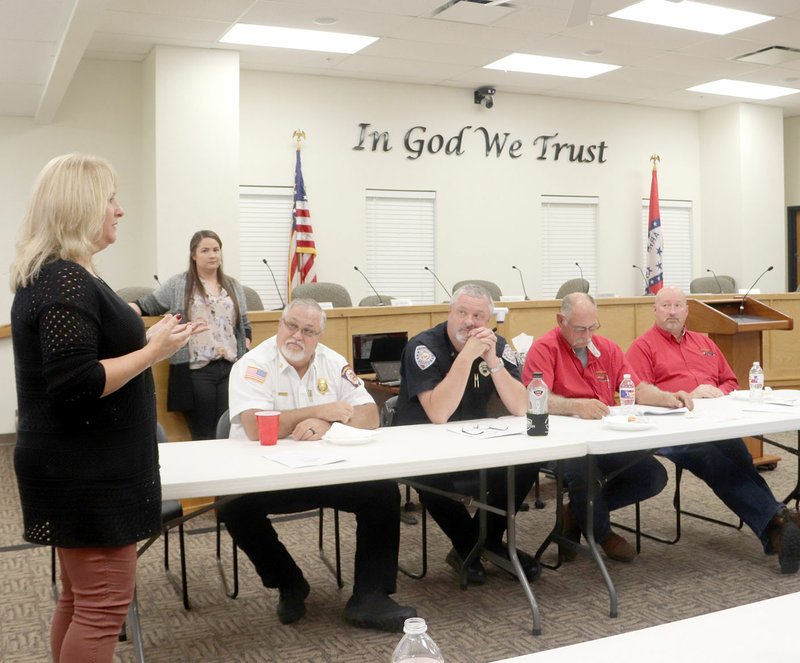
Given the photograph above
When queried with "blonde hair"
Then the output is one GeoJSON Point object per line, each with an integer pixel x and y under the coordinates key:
{"type": "Point", "coordinates": [65, 215]}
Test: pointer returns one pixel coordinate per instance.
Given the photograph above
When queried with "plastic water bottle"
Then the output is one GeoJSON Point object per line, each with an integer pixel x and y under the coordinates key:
{"type": "Point", "coordinates": [627, 394]}
{"type": "Point", "coordinates": [538, 420]}
{"type": "Point", "coordinates": [756, 382]}
{"type": "Point", "coordinates": [416, 646]}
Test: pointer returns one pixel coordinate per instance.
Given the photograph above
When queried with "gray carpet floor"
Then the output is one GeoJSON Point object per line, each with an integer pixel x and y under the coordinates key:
{"type": "Point", "coordinates": [710, 568]}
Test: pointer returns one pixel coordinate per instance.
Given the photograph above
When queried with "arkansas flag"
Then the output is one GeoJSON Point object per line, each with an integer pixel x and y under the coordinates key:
{"type": "Point", "coordinates": [655, 241]}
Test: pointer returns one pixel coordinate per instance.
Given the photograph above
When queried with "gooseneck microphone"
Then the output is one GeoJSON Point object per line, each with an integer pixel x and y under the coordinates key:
{"type": "Point", "coordinates": [380, 299]}
{"type": "Point", "coordinates": [155, 276]}
{"type": "Point", "coordinates": [277, 289]}
{"type": "Point", "coordinates": [582, 279]}
{"type": "Point", "coordinates": [719, 287]}
{"type": "Point", "coordinates": [644, 278]}
{"type": "Point", "coordinates": [741, 306]}
{"type": "Point", "coordinates": [449, 295]}
{"type": "Point", "coordinates": [522, 281]}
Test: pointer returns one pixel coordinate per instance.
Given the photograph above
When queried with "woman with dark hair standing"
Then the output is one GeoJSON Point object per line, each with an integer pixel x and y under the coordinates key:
{"type": "Point", "coordinates": [198, 376]}
{"type": "Point", "coordinates": [86, 456]}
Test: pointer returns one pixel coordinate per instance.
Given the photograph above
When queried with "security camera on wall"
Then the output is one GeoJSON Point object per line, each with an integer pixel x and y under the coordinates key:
{"type": "Point", "coordinates": [485, 96]}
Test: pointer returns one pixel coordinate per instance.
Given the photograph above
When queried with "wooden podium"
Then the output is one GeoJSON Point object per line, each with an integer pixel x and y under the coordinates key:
{"type": "Point", "coordinates": [735, 325]}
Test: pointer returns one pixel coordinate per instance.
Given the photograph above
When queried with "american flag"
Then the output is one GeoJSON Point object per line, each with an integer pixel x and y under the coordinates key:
{"type": "Point", "coordinates": [655, 242]}
{"type": "Point", "coordinates": [301, 244]}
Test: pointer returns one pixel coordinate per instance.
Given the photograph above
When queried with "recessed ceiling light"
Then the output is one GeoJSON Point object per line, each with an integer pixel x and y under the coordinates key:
{"type": "Point", "coordinates": [690, 15]}
{"type": "Point", "coordinates": [542, 64]}
{"type": "Point", "coordinates": [303, 40]}
{"type": "Point", "coordinates": [593, 51]}
{"type": "Point", "coordinates": [325, 20]}
{"type": "Point", "coordinates": [743, 89]}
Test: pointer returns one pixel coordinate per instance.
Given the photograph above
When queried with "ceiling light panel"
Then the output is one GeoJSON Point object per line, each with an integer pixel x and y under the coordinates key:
{"type": "Point", "coordinates": [689, 15]}
{"type": "Point", "coordinates": [541, 64]}
{"type": "Point", "coordinates": [304, 40]}
{"type": "Point", "coordinates": [744, 89]}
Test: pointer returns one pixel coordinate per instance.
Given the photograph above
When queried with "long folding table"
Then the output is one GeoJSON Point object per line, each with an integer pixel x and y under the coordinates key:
{"type": "Point", "coordinates": [712, 419]}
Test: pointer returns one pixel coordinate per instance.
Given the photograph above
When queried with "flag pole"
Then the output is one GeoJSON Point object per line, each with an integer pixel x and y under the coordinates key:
{"type": "Point", "coordinates": [299, 136]}
{"type": "Point", "coordinates": [655, 158]}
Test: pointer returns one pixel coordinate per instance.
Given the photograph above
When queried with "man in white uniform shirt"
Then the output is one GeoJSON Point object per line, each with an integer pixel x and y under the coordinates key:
{"type": "Point", "coordinates": [312, 386]}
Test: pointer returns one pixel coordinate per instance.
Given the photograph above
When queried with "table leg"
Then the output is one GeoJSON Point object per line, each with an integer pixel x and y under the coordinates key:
{"type": "Point", "coordinates": [593, 488]}
{"type": "Point", "coordinates": [136, 629]}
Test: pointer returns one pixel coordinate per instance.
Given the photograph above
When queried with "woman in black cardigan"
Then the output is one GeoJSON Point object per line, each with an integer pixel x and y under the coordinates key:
{"type": "Point", "coordinates": [86, 457]}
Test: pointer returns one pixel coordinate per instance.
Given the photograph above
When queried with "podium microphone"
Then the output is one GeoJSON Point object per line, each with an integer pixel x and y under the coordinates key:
{"type": "Point", "coordinates": [582, 279]}
{"type": "Point", "coordinates": [380, 299]}
{"type": "Point", "coordinates": [277, 289]}
{"type": "Point", "coordinates": [524, 292]}
{"type": "Point", "coordinates": [741, 306]}
{"type": "Point", "coordinates": [719, 287]}
{"type": "Point", "coordinates": [644, 278]}
{"type": "Point", "coordinates": [155, 276]}
{"type": "Point", "coordinates": [449, 295]}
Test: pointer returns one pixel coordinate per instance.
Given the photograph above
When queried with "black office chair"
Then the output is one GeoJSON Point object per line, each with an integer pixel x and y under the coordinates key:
{"type": "Point", "coordinates": [222, 432]}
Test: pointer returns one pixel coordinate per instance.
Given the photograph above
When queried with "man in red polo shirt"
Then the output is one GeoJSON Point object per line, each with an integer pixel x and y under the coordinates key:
{"type": "Point", "coordinates": [672, 357]}
{"type": "Point", "coordinates": [582, 371]}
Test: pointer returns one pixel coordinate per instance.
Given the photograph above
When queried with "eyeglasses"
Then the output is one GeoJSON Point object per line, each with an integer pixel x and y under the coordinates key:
{"type": "Point", "coordinates": [583, 330]}
{"type": "Point", "coordinates": [307, 332]}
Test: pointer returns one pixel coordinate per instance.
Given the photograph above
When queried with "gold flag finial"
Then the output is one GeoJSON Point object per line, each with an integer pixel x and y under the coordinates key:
{"type": "Point", "coordinates": [655, 159]}
{"type": "Point", "coordinates": [299, 136]}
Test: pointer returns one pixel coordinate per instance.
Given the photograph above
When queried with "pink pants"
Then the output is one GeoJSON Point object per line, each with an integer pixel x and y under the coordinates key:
{"type": "Point", "coordinates": [97, 588]}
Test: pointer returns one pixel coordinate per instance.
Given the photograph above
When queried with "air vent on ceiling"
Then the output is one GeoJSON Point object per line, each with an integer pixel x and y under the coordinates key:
{"type": "Point", "coordinates": [481, 12]}
{"type": "Point", "coordinates": [772, 55]}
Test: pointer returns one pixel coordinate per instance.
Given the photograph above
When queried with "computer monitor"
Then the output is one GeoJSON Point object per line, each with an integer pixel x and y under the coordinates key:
{"type": "Point", "coordinates": [384, 346]}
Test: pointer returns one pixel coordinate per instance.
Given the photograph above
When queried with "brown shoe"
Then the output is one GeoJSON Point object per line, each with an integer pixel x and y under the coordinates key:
{"type": "Point", "coordinates": [618, 548]}
{"type": "Point", "coordinates": [571, 530]}
{"type": "Point", "coordinates": [784, 537]}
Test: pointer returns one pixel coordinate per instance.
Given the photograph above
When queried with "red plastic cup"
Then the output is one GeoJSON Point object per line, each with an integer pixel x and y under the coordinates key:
{"type": "Point", "coordinates": [268, 426]}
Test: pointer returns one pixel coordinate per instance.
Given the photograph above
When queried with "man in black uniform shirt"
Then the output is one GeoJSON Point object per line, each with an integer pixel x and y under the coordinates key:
{"type": "Point", "coordinates": [448, 373]}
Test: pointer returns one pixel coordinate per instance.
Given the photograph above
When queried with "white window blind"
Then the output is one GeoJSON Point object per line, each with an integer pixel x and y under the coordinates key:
{"type": "Point", "coordinates": [676, 228]}
{"type": "Point", "coordinates": [265, 223]}
{"type": "Point", "coordinates": [569, 235]}
{"type": "Point", "coordinates": [401, 233]}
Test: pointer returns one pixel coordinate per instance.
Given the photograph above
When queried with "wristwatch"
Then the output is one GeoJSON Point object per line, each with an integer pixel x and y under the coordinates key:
{"type": "Point", "coordinates": [496, 368]}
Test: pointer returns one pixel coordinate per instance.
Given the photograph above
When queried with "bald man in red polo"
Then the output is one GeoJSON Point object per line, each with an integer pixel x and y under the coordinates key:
{"type": "Point", "coordinates": [582, 371]}
{"type": "Point", "coordinates": [672, 357]}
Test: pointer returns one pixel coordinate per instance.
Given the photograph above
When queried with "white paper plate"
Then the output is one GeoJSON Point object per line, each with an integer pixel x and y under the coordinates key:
{"type": "Point", "coordinates": [351, 441]}
{"type": "Point", "coordinates": [621, 423]}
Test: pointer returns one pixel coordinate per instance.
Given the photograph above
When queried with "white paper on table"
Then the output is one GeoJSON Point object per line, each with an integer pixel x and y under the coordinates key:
{"type": "Point", "coordinates": [301, 455]}
{"type": "Point", "coordinates": [522, 343]}
{"type": "Point", "coordinates": [485, 431]}
{"type": "Point", "coordinates": [647, 409]}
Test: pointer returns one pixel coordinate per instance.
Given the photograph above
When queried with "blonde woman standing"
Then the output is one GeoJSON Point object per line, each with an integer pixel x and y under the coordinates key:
{"type": "Point", "coordinates": [86, 457]}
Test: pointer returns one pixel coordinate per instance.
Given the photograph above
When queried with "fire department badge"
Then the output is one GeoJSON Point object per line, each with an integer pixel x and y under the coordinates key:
{"type": "Point", "coordinates": [322, 386]}
{"type": "Point", "coordinates": [350, 375]}
{"type": "Point", "coordinates": [424, 357]}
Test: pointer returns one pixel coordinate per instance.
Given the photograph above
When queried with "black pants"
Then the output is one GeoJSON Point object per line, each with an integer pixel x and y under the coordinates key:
{"type": "Point", "coordinates": [453, 517]}
{"type": "Point", "coordinates": [210, 394]}
{"type": "Point", "coordinates": [376, 505]}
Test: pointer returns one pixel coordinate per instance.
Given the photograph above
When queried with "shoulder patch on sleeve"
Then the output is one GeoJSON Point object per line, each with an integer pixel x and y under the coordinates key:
{"type": "Point", "coordinates": [255, 374]}
{"type": "Point", "coordinates": [424, 357]}
{"type": "Point", "coordinates": [350, 375]}
{"type": "Point", "coordinates": [510, 355]}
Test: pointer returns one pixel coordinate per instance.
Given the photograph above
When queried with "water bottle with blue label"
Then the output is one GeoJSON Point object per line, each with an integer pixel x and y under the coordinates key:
{"type": "Point", "coordinates": [627, 394]}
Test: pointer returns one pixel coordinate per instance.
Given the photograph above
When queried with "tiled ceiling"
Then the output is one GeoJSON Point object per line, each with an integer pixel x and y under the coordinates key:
{"type": "Point", "coordinates": [426, 42]}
